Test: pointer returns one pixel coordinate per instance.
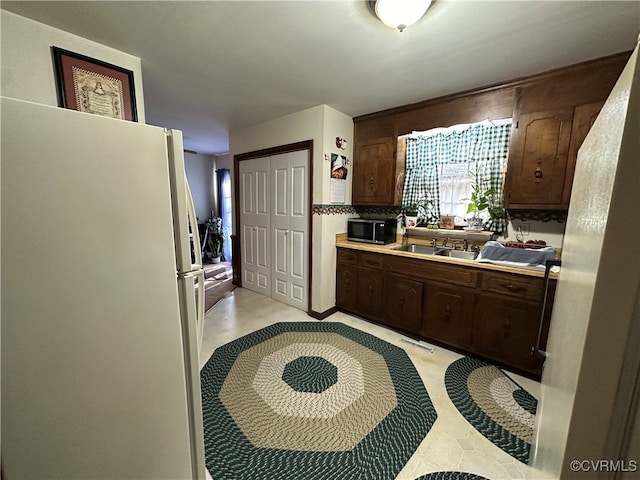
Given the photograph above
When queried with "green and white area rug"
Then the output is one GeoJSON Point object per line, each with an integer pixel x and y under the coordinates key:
{"type": "Point", "coordinates": [312, 401]}
{"type": "Point", "coordinates": [495, 405]}
{"type": "Point", "coordinates": [451, 476]}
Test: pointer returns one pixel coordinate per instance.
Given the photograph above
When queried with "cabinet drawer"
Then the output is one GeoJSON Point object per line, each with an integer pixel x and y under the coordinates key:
{"type": "Point", "coordinates": [513, 285]}
{"type": "Point", "coordinates": [371, 260]}
{"type": "Point", "coordinates": [347, 256]}
{"type": "Point", "coordinates": [434, 271]}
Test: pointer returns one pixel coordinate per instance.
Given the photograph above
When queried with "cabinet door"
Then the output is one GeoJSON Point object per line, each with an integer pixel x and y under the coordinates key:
{"type": "Point", "coordinates": [538, 159]}
{"type": "Point", "coordinates": [402, 303]}
{"type": "Point", "coordinates": [584, 117]}
{"type": "Point", "coordinates": [448, 314]}
{"type": "Point", "coordinates": [370, 293]}
{"type": "Point", "coordinates": [374, 172]}
{"type": "Point", "coordinates": [505, 329]}
{"type": "Point", "coordinates": [346, 287]}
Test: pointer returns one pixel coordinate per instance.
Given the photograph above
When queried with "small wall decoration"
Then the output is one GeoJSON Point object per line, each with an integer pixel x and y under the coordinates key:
{"type": "Point", "coordinates": [339, 171]}
{"type": "Point", "coordinates": [93, 86]}
{"type": "Point", "coordinates": [339, 168]}
{"type": "Point", "coordinates": [341, 143]}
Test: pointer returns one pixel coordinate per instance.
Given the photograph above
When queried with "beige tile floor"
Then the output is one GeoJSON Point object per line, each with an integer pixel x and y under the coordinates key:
{"type": "Point", "coordinates": [452, 443]}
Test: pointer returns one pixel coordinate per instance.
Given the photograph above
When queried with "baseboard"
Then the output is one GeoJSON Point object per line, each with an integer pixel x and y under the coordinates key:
{"type": "Point", "coordinates": [322, 315]}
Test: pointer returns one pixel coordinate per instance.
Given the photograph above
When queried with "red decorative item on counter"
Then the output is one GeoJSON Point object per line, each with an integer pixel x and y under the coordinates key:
{"type": "Point", "coordinates": [529, 244]}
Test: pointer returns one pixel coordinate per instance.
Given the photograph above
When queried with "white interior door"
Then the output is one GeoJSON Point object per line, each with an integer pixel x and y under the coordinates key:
{"type": "Point", "coordinates": [289, 228]}
{"type": "Point", "coordinates": [274, 194]}
{"type": "Point", "coordinates": [254, 208]}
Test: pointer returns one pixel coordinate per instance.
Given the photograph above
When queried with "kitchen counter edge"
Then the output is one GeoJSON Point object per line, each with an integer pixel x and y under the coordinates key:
{"type": "Point", "coordinates": [342, 242]}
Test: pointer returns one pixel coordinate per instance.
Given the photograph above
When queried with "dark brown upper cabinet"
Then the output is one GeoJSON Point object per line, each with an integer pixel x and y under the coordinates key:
{"type": "Point", "coordinates": [376, 172]}
{"type": "Point", "coordinates": [552, 116]}
{"type": "Point", "coordinates": [538, 160]}
{"type": "Point", "coordinates": [552, 113]}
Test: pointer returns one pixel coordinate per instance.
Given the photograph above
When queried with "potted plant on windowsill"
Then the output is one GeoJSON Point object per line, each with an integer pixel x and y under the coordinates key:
{"type": "Point", "coordinates": [482, 199]}
{"type": "Point", "coordinates": [410, 212]}
{"type": "Point", "coordinates": [413, 211]}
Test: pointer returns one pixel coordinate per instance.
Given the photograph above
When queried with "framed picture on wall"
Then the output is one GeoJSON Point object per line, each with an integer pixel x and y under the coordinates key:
{"type": "Point", "coordinates": [93, 86]}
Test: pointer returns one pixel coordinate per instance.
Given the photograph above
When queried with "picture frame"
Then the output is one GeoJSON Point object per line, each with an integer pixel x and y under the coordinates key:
{"type": "Point", "coordinates": [93, 86]}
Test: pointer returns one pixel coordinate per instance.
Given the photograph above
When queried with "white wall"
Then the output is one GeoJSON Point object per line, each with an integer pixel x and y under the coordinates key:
{"type": "Point", "coordinates": [27, 62]}
{"type": "Point", "coordinates": [224, 161]}
{"type": "Point", "coordinates": [551, 232]}
{"type": "Point", "coordinates": [199, 169]}
{"type": "Point", "coordinates": [335, 124]}
{"type": "Point", "coordinates": [320, 124]}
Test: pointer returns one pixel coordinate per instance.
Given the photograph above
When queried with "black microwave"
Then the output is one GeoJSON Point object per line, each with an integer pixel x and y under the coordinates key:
{"type": "Point", "coordinates": [372, 230]}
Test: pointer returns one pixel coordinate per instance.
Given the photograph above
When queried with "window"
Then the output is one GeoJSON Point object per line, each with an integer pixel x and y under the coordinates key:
{"type": "Point", "coordinates": [439, 162]}
{"type": "Point", "coordinates": [455, 187]}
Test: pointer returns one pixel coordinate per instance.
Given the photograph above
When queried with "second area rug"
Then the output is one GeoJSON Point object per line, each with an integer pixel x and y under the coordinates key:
{"type": "Point", "coordinates": [495, 405]}
{"type": "Point", "coordinates": [312, 401]}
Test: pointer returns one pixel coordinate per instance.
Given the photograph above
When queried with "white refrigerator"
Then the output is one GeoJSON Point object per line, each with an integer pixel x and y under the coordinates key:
{"type": "Point", "coordinates": [101, 320]}
{"type": "Point", "coordinates": [588, 422]}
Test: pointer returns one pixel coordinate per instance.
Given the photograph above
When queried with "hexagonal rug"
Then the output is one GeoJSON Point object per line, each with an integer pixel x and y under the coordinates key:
{"type": "Point", "coordinates": [451, 476]}
{"type": "Point", "coordinates": [312, 401]}
{"type": "Point", "coordinates": [494, 404]}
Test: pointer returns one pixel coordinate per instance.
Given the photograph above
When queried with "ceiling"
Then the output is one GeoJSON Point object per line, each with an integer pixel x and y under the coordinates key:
{"type": "Point", "coordinates": [210, 67]}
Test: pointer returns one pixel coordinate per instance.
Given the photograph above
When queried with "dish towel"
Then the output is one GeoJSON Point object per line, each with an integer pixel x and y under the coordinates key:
{"type": "Point", "coordinates": [495, 252]}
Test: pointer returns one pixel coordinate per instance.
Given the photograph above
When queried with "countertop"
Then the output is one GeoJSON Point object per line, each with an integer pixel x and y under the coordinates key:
{"type": "Point", "coordinates": [342, 242]}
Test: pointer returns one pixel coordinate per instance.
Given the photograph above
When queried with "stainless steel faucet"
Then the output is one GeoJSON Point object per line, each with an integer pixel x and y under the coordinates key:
{"type": "Point", "coordinates": [445, 242]}
{"type": "Point", "coordinates": [433, 243]}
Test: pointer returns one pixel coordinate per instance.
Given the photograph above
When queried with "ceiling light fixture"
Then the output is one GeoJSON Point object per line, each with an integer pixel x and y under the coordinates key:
{"type": "Point", "coordinates": [399, 13]}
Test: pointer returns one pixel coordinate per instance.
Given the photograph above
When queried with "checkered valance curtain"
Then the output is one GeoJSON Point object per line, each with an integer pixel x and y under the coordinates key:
{"type": "Point", "coordinates": [485, 144]}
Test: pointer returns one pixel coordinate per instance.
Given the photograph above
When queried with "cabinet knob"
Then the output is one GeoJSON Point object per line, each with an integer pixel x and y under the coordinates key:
{"type": "Point", "coordinates": [370, 290]}
{"type": "Point", "coordinates": [538, 174]}
{"type": "Point", "coordinates": [447, 312]}
{"type": "Point", "coordinates": [371, 181]}
{"type": "Point", "coordinates": [507, 327]}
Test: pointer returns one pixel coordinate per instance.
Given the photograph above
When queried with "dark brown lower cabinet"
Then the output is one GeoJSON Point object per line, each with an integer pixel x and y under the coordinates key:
{"type": "Point", "coordinates": [448, 314]}
{"type": "Point", "coordinates": [347, 287]}
{"type": "Point", "coordinates": [492, 314]}
{"type": "Point", "coordinates": [402, 302]}
{"type": "Point", "coordinates": [505, 329]}
{"type": "Point", "coordinates": [369, 297]}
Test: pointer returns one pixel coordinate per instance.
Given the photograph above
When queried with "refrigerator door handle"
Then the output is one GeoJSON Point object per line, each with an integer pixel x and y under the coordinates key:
{"type": "Point", "coordinates": [199, 320]}
{"type": "Point", "coordinates": [535, 350]}
{"type": "Point", "coordinates": [193, 226]}
{"type": "Point", "coordinates": [185, 222]}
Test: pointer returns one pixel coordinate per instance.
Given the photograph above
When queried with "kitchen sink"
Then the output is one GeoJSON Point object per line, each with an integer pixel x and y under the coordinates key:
{"type": "Point", "coordinates": [445, 252]}
{"type": "Point", "coordinates": [440, 251]}
{"type": "Point", "coordinates": [413, 248]}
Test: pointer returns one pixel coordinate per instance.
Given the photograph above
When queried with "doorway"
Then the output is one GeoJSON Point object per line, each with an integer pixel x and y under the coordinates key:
{"type": "Point", "coordinates": [273, 222]}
